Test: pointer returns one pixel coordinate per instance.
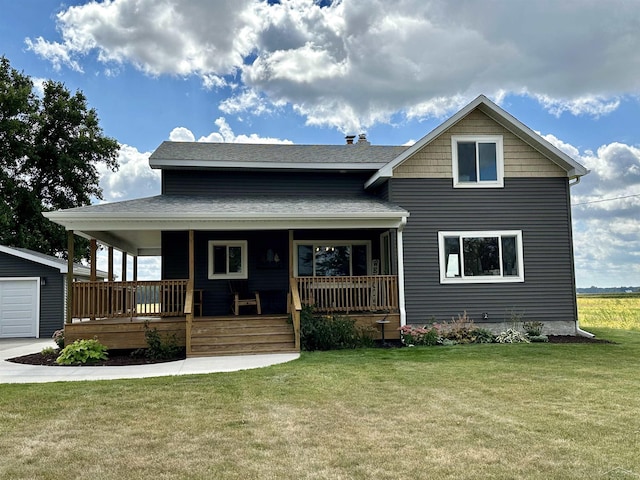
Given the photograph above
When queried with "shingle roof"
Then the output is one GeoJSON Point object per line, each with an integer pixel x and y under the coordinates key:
{"type": "Point", "coordinates": [166, 206]}
{"type": "Point", "coordinates": [239, 155]}
{"type": "Point", "coordinates": [49, 260]}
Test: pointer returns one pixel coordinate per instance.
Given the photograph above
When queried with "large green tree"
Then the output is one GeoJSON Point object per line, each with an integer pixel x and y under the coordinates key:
{"type": "Point", "coordinates": [50, 149]}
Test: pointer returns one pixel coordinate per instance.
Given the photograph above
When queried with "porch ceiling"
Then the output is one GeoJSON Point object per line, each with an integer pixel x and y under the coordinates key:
{"type": "Point", "coordinates": [134, 226]}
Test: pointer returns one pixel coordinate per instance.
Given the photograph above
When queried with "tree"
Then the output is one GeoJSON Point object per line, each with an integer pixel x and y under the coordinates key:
{"type": "Point", "coordinates": [50, 149]}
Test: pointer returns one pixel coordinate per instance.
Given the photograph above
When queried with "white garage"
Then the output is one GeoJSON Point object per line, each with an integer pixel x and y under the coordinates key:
{"type": "Point", "coordinates": [19, 304]}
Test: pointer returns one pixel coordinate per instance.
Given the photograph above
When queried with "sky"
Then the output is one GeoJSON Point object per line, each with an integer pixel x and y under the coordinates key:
{"type": "Point", "coordinates": [304, 71]}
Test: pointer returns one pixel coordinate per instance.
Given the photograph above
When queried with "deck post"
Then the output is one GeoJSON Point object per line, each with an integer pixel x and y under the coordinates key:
{"type": "Point", "coordinates": [135, 268]}
{"type": "Point", "coordinates": [70, 255]}
{"type": "Point", "coordinates": [110, 267]}
{"type": "Point", "coordinates": [190, 286]}
{"type": "Point", "coordinates": [124, 266]}
{"type": "Point", "coordinates": [93, 247]}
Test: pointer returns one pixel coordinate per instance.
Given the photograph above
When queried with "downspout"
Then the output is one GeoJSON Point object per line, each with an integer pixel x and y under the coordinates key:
{"type": "Point", "coordinates": [579, 331]}
{"type": "Point", "coordinates": [401, 303]}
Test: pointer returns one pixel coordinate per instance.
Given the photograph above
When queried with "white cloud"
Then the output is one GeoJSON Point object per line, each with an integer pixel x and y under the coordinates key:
{"type": "Point", "coordinates": [134, 178]}
{"type": "Point", "coordinates": [224, 134]}
{"type": "Point", "coordinates": [352, 64]}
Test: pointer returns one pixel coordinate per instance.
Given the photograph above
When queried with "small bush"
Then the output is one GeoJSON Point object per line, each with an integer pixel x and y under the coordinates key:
{"type": "Point", "coordinates": [159, 348]}
{"type": "Point", "coordinates": [318, 332]}
{"type": "Point", "coordinates": [414, 336]}
{"type": "Point", "coordinates": [82, 351]}
{"type": "Point", "coordinates": [538, 338]}
{"type": "Point", "coordinates": [58, 337]}
{"type": "Point", "coordinates": [533, 329]}
{"type": "Point", "coordinates": [460, 330]}
{"type": "Point", "coordinates": [48, 351]}
{"type": "Point", "coordinates": [511, 336]}
{"type": "Point", "coordinates": [483, 335]}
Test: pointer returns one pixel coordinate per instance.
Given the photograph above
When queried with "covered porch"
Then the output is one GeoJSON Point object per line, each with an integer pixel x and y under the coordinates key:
{"type": "Point", "coordinates": [345, 261]}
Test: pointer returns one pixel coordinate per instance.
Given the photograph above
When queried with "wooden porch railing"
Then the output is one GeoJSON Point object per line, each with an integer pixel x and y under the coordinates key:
{"type": "Point", "coordinates": [295, 308]}
{"type": "Point", "coordinates": [164, 298]}
{"type": "Point", "coordinates": [368, 293]}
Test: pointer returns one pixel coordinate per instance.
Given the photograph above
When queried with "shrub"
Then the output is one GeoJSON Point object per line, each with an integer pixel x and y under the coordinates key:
{"type": "Point", "coordinates": [58, 337]}
{"type": "Point", "coordinates": [412, 336]}
{"type": "Point", "coordinates": [533, 329]}
{"type": "Point", "coordinates": [159, 348]}
{"type": "Point", "coordinates": [511, 336]}
{"type": "Point", "coordinates": [82, 351]}
{"type": "Point", "coordinates": [460, 330]}
{"type": "Point", "coordinates": [482, 335]}
{"type": "Point", "coordinates": [318, 332]}
{"type": "Point", "coordinates": [48, 351]}
{"type": "Point", "coordinates": [538, 338]}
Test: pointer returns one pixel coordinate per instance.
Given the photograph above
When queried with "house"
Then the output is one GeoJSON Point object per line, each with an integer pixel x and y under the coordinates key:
{"type": "Point", "coordinates": [473, 217]}
{"type": "Point", "coordinates": [32, 292]}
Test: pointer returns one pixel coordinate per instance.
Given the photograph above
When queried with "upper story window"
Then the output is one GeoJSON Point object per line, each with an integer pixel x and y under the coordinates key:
{"type": "Point", "coordinates": [481, 257]}
{"type": "Point", "coordinates": [227, 259]}
{"type": "Point", "coordinates": [478, 161]}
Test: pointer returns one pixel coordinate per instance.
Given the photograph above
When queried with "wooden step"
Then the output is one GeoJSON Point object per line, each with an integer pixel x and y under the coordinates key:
{"type": "Point", "coordinates": [213, 330]}
{"type": "Point", "coordinates": [242, 339]}
{"type": "Point", "coordinates": [254, 349]}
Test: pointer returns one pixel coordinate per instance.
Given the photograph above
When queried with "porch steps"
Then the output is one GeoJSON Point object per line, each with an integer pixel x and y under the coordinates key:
{"type": "Point", "coordinates": [241, 335]}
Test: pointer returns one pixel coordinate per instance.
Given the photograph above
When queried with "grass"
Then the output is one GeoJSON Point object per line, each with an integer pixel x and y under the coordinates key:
{"type": "Point", "coordinates": [620, 311]}
{"type": "Point", "coordinates": [535, 411]}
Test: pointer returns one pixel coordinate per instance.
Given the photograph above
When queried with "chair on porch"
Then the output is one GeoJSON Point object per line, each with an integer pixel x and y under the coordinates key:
{"type": "Point", "coordinates": [242, 297]}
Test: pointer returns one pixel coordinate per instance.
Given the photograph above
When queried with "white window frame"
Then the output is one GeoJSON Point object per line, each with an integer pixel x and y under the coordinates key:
{"type": "Point", "coordinates": [334, 243]}
{"type": "Point", "coordinates": [497, 139]}
{"type": "Point", "coordinates": [481, 278]}
{"type": "Point", "coordinates": [243, 274]}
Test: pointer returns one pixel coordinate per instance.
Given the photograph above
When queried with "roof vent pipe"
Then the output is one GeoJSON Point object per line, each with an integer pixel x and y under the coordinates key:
{"type": "Point", "coordinates": [349, 139]}
{"type": "Point", "coordinates": [362, 139]}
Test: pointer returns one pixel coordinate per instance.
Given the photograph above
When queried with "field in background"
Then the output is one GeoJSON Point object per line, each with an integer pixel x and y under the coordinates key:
{"type": "Point", "coordinates": [619, 311]}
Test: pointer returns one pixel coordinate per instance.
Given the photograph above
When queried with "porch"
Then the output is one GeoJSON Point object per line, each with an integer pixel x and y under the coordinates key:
{"type": "Point", "coordinates": [115, 313]}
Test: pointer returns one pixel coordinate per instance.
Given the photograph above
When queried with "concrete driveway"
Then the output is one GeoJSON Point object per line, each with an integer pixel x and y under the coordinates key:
{"type": "Point", "coordinates": [18, 373]}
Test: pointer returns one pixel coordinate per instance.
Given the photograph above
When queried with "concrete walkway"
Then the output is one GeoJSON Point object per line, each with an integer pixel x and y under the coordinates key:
{"type": "Point", "coordinates": [18, 373]}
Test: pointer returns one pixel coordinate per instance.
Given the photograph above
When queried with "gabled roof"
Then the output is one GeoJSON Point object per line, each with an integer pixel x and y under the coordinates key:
{"type": "Point", "coordinates": [176, 155]}
{"type": "Point", "coordinates": [502, 117]}
{"type": "Point", "coordinates": [49, 261]}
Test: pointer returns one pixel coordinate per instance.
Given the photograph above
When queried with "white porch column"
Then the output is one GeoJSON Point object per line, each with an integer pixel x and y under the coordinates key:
{"type": "Point", "coordinates": [399, 247]}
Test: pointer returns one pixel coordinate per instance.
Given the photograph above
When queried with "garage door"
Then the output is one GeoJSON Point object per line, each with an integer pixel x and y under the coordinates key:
{"type": "Point", "coordinates": [18, 308]}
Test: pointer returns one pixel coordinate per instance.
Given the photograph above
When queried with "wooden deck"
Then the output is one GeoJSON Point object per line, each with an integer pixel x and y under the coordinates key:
{"type": "Point", "coordinates": [213, 336]}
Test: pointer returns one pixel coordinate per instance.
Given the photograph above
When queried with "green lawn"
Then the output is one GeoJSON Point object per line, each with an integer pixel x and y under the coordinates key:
{"type": "Point", "coordinates": [535, 411]}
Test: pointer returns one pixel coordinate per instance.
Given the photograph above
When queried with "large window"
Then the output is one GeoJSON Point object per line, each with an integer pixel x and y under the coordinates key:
{"type": "Point", "coordinates": [331, 258]}
{"type": "Point", "coordinates": [481, 257]}
{"type": "Point", "coordinates": [227, 259]}
{"type": "Point", "coordinates": [477, 161]}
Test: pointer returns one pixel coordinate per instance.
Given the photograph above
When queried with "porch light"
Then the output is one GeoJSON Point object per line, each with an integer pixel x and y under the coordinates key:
{"type": "Point", "coordinates": [43, 281]}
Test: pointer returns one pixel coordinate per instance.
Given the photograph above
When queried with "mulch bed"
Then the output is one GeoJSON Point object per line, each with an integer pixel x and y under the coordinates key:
{"type": "Point", "coordinates": [116, 358]}
{"type": "Point", "coordinates": [125, 357]}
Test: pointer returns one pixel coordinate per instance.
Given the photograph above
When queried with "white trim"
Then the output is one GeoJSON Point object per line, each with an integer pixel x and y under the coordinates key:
{"type": "Point", "coordinates": [444, 279]}
{"type": "Point", "coordinates": [477, 139]}
{"type": "Point", "coordinates": [37, 305]}
{"type": "Point", "coordinates": [243, 274]}
{"type": "Point", "coordinates": [493, 111]}
{"type": "Point", "coordinates": [401, 300]}
{"type": "Point", "coordinates": [337, 243]}
{"type": "Point", "coordinates": [34, 258]}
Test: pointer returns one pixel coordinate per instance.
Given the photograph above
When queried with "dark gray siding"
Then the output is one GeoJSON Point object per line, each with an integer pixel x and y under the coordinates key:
{"type": "Point", "coordinates": [272, 281]}
{"type": "Point", "coordinates": [537, 206]}
{"type": "Point", "coordinates": [51, 294]}
{"type": "Point", "coordinates": [203, 182]}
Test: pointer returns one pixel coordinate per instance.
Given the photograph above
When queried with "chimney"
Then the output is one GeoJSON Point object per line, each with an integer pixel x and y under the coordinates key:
{"type": "Point", "coordinates": [362, 139]}
{"type": "Point", "coordinates": [349, 139]}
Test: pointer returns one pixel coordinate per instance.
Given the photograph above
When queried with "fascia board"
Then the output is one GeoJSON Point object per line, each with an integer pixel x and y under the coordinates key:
{"type": "Point", "coordinates": [182, 164]}
{"type": "Point", "coordinates": [33, 258]}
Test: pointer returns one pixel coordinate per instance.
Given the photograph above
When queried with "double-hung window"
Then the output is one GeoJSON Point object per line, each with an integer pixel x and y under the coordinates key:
{"type": "Point", "coordinates": [478, 161]}
{"type": "Point", "coordinates": [332, 258]}
{"type": "Point", "coordinates": [481, 257]}
{"type": "Point", "coordinates": [227, 259]}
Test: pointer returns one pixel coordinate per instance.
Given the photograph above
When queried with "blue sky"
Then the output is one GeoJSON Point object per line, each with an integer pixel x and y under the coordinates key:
{"type": "Point", "coordinates": [310, 72]}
